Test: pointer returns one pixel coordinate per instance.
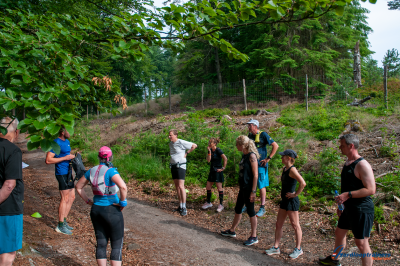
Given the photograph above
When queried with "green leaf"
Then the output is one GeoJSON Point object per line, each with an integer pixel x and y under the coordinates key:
{"type": "Point", "coordinates": [35, 138]}
{"type": "Point", "coordinates": [9, 105]}
{"type": "Point", "coordinates": [55, 147]}
{"type": "Point", "coordinates": [45, 145]}
{"type": "Point", "coordinates": [372, 1]}
{"type": "Point", "coordinates": [32, 146]}
{"type": "Point", "coordinates": [3, 130]}
{"type": "Point", "coordinates": [39, 105]}
{"type": "Point", "coordinates": [11, 94]}
{"type": "Point", "coordinates": [16, 82]}
{"type": "Point", "coordinates": [44, 97]}
{"type": "Point", "coordinates": [39, 125]}
{"type": "Point", "coordinates": [339, 10]}
{"type": "Point", "coordinates": [53, 128]}
{"type": "Point", "coordinates": [70, 129]}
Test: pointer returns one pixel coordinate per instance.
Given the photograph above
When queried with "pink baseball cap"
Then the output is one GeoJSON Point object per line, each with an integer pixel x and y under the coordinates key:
{"type": "Point", "coordinates": [105, 152]}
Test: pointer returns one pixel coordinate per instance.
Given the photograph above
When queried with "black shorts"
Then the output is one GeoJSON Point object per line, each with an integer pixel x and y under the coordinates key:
{"type": "Point", "coordinates": [360, 223]}
{"type": "Point", "coordinates": [292, 204]}
{"type": "Point", "coordinates": [65, 183]}
{"type": "Point", "coordinates": [178, 173]}
{"type": "Point", "coordinates": [216, 177]}
{"type": "Point", "coordinates": [244, 199]}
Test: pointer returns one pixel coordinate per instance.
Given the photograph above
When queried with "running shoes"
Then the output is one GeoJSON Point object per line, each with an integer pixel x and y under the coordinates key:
{"type": "Point", "coordinates": [251, 241]}
{"type": "Point", "coordinates": [261, 212]}
{"type": "Point", "coordinates": [183, 211]}
{"type": "Point", "coordinates": [329, 261]}
{"type": "Point", "coordinates": [296, 253]}
{"type": "Point", "coordinates": [228, 233]}
{"type": "Point", "coordinates": [273, 251]}
{"type": "Point", "coordinates": [67, 226]}
{"type": "Point", "coordinates": [179, 209]}
{"type": "Point", "coordinates": [63, 230]}
{"type": "Point", "coordinates": [220, 208]}
{"type": "Point", "coordinates": [206, 206]}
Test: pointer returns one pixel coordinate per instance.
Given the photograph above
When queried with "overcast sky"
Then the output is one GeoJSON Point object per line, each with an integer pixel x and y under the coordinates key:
{"type": "Point", "coordinates": [385, 24]}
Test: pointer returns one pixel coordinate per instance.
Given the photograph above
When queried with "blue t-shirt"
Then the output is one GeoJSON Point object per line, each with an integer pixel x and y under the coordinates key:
{"type": "Point", "coordinates": [265, 140]}
{"type": "Point", "coordinates": [105, 200]}
{"type": "Point", "coordinates": [62, 168]}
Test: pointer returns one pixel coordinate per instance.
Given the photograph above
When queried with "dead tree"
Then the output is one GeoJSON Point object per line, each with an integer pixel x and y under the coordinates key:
{"type": "Point", "coordinates": [359, 103]}
{"type": "Point", "coordinates": [357, 65]}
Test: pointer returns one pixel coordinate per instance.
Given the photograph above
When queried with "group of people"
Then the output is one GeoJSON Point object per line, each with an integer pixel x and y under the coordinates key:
{"type": "Point", "coordinates": [106, 206]}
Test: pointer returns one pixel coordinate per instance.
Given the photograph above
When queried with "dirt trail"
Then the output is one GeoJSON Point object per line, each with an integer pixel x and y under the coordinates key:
{"type": "Point", "coordinates": [152, 236]}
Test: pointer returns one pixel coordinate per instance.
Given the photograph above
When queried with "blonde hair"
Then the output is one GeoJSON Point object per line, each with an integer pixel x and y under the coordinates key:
{"type": "Point", "coordinates": [248, 144]}
{"type": "Point", "coordinates": [9, 123]}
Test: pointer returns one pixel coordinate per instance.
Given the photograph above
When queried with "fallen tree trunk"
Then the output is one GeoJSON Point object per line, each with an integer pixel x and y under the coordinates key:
{"type": "Point", "coordinates": [358, 103]}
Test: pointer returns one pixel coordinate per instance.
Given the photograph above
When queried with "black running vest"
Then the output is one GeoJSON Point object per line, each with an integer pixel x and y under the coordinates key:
{"type": "Point", "coordinates": [288, 183]}
{"type": "Point", "coordinates": [245, 173]}
{"type": "Point", "coordinates": [350, 183]}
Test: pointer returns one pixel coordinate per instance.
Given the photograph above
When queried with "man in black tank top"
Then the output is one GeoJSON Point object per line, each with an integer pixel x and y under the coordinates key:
{"type": "Point", "coordinates": [358, 184]}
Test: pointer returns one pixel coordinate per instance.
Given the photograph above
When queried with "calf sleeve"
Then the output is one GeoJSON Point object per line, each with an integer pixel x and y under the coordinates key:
{"type": "Point", "coordinates": [221, 197]}
{"type": "Point", "coordinates": [208, 196]}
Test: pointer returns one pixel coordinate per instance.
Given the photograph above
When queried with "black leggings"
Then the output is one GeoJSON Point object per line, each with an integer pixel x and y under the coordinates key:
{"type": "Point", "coordinates": [244, 199]}
{"type": "Point", "coordinates": [108, 223]}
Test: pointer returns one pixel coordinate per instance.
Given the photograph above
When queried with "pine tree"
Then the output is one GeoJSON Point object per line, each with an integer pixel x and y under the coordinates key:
{"type": "Point", "coordinates": [392, 60]}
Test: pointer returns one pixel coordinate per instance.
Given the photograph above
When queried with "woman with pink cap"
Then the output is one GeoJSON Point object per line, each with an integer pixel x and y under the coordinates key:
{"type": "Point", "coordinates": [106, 212]}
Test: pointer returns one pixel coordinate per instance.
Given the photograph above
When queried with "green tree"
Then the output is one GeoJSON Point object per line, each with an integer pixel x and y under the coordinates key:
{"type": "Point", "coordinates": [392, 60]}
{"type": "Point", "coordinates": [394, 5]}
{"type": "Point", "coordinates": [46, 48]}
{"type": "Point", "coordinates": [370, 72]}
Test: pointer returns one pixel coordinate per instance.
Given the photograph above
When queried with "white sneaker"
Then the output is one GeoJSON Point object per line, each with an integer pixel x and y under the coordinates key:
{"type": "Point", "coordinates": [220, 208]}
{"type": "Point", "coordinates": [206, 206]}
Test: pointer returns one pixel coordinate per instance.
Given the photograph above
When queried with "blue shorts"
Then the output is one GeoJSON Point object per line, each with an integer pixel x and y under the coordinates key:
{"type": "Point", "coordinates": [263, 180]}
{"type": "Point", "coordinates": [11, 233]}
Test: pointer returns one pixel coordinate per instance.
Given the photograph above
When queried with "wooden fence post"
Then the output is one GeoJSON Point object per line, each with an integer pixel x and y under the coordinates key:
{"type": "Point", "coordinates": [306, 92]}
{"type": "Point", "coordinates": [244, 94]}
{"type": "Point", "coordinates": [170, 105]}
{"type": "Point", "coordinates": [385, 70]}
{"type": "Point", "coordinates": [202, 95]}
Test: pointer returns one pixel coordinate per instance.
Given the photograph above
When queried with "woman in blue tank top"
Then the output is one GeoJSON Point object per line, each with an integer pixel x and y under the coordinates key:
{"type": "Point", "coordinates": [290, 204]}
{"type": "Point", "coordinates": [106, 212]}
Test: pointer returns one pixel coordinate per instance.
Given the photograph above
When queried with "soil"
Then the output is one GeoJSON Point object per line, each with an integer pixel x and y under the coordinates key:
{"type": "Point", "coordinates": [155, 235]}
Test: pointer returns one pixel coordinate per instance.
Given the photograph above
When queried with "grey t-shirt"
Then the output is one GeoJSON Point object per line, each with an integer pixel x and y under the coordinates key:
{"type": "Point", "coordinates": [177, 151]}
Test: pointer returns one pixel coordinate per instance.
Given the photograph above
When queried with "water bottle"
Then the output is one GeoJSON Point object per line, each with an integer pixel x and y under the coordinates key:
{"type": "Point", "coordinates": [340, 206]}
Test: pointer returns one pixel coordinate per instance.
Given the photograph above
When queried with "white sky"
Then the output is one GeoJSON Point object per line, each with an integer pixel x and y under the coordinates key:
{"type": "Point", "coordinates": [385, 24]}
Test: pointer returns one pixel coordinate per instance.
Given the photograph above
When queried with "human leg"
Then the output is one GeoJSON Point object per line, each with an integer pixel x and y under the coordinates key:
{"type": "Point", "coordinates": [263, 194]}
{"type": "Point", "coordinates": [178, 191]}
{"type": "Point", "coordinates": [7, 259]}
{"type": "Point", "coordinates": [280, 220]}
{"type": "Point", "coordinates": [221, 196]}
{"type": "Point", "coordinates": [116, 237]}
{"type": "Point", "coordinates": [181, 186]}
{"type": "Point", "coordinates": [209, 187]}
{"type": "Point", "coordinates": [294, 221]}
{"type": "Point", "coordinates": [363, 246]}
{"type": "Point", "coordinates": [100, 226]}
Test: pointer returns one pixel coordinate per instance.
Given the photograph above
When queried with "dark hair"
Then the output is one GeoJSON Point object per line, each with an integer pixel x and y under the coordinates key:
{"type": "Point", "coordinates": [62, 129]}
{"type": "Point", "coordinates": [351, 139]}
{"type": "Point", "coordinates": [174, 131]}
{"type": "Point", "coordinates": [214, 140]}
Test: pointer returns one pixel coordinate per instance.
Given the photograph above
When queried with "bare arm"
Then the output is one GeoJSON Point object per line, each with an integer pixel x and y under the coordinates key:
{"type": "Point", "coordinates": [208, 154]}
{"type": "Point", "coordinates": [121, 185]}
{"type": "Point", "coordinates": [51, 160]}
{"type": "Point", "coordinates": [296, 175]}
{"type": "Point", "coordinates": [275, 147]}
{"type": "Point", "coordinates": [363, 171]}
{"type": "Point", "coordinates": [194, 146]}
{"type": "Point", "coordinates": [225, 162]}
{"type": "Point", "coordinates": [254, 169]}
{"type": "Point", "coordinates": [79, 188]}
{"type": "Point", "coordinates": [6, 189]}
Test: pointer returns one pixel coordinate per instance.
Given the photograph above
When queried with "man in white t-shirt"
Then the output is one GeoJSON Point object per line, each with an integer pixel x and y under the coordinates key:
{"type": "Point", "coordinates": [178, 150]}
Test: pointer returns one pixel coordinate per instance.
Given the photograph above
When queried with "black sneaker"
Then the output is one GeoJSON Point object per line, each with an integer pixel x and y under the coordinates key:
{"type": "Point", "coordinates": [251, 241]}
{"type": "Point", "coordinates": [179, 209]}
{"type": "Point", "coordinates": [183, 211]}
{"type": "Point", "coordinates": [329, 261]}
{"type": "Point", "coordinates": [228, 233]}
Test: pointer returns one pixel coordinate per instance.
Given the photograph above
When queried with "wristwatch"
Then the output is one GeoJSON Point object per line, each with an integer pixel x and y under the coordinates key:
{"type": "Point", "coordinates": [350, 196]}
{"type": "Point", "coordinates": [254, 191]}
{"type": "Point", "coordinates": [268, 157]}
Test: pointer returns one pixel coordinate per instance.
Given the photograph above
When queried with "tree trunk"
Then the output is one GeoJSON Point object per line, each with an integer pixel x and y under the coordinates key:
{"type": "Point", "coordinates": [218, 71]}
{"type": "Point", "coordinates": [357, 65]}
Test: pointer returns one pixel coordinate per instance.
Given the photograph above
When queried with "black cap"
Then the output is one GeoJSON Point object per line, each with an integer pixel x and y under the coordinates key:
{"type": "Point", "coordinates": [290, 153]}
